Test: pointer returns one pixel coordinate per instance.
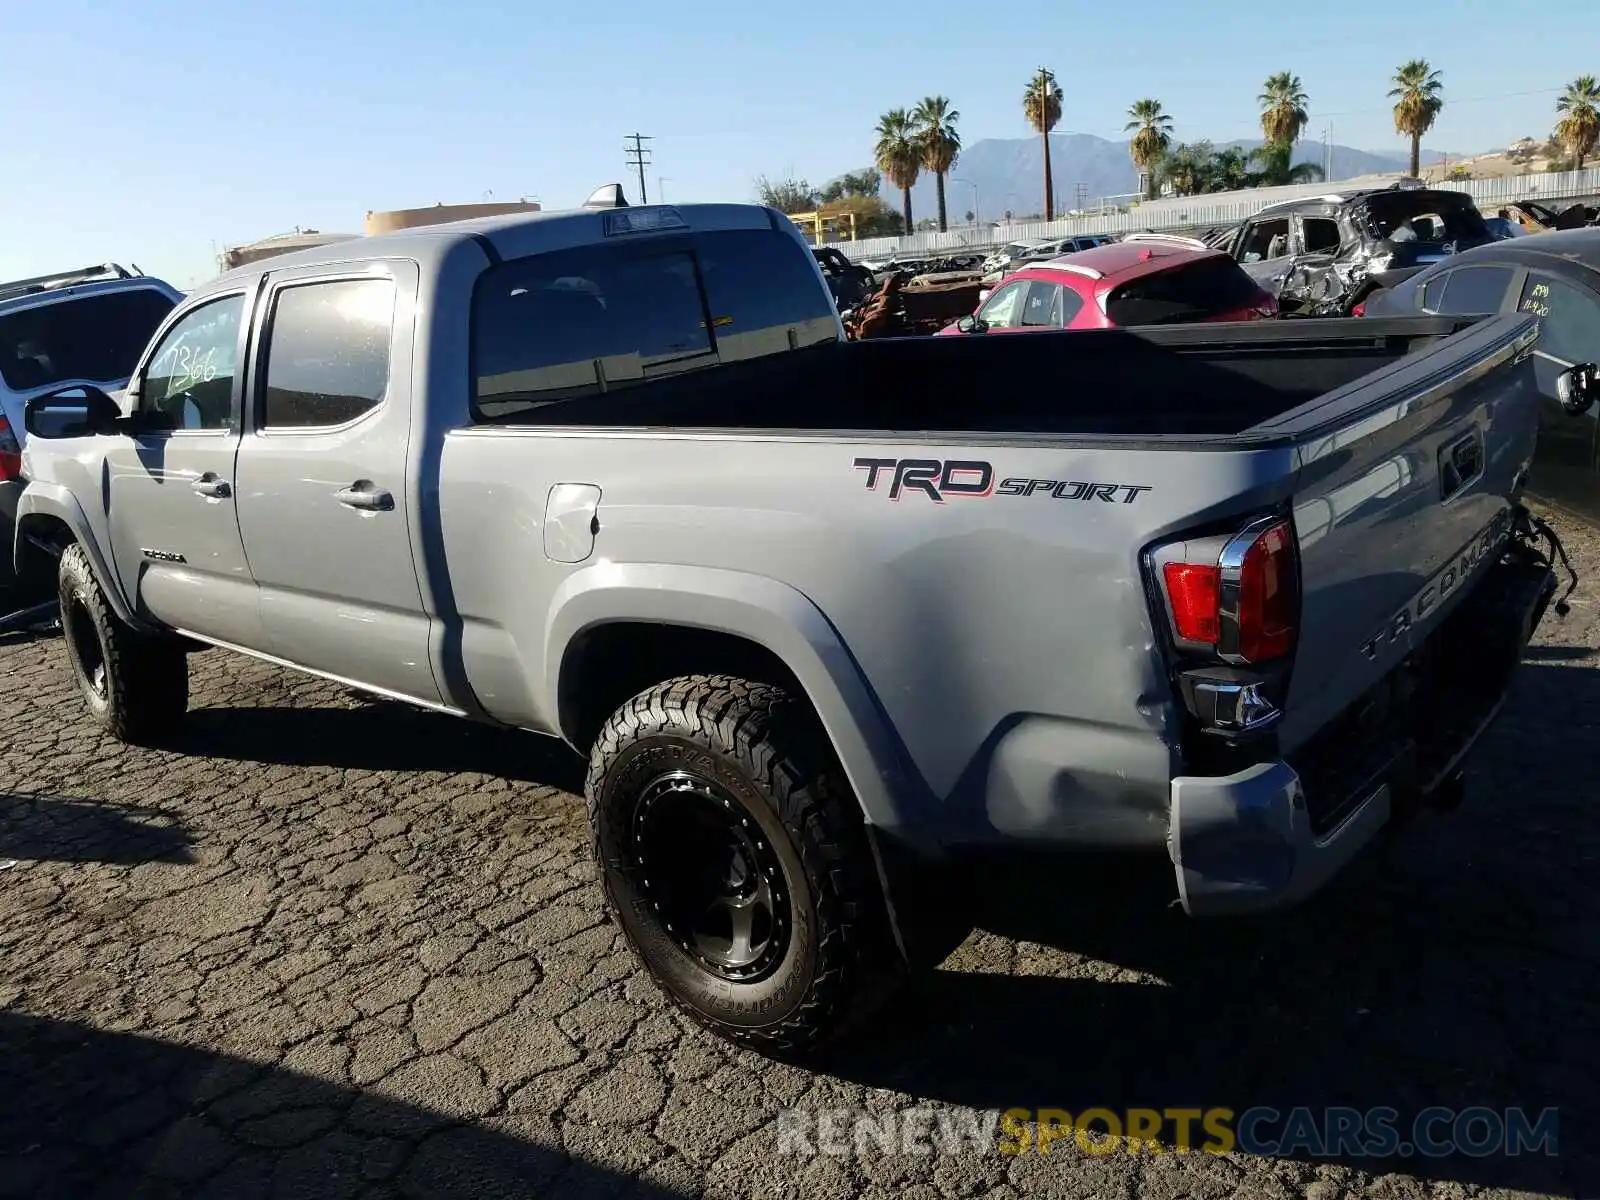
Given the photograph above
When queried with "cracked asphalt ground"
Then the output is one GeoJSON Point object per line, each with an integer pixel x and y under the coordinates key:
{"type": "Point", "coordinates": [337, 948]}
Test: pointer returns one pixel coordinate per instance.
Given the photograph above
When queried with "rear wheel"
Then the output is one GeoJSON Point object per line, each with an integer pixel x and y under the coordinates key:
{"type": "Point", "coordinates": [136, 686]}
{"type": "Point", "coordinates": [734, 857]}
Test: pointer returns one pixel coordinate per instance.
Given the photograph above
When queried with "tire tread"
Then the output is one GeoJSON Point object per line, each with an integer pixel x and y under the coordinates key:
{"type": "Point", "coordinates": [777, 742]}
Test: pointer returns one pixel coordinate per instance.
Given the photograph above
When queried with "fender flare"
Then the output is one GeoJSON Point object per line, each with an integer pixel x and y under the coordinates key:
{"type": "Point", "coordinates": [782, 620]}
{"type": "Point", "coordinates": [54, 501]}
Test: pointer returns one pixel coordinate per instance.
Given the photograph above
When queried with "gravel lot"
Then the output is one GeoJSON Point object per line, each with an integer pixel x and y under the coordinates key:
{"type": "Point", "coordinates": [342, 948]}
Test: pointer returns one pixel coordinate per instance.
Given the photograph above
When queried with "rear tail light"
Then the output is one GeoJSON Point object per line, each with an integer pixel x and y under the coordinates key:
{"type": "Point", "coordinates": [10, 453]}
{"type": "Point", "coordinates": [1233, 598]}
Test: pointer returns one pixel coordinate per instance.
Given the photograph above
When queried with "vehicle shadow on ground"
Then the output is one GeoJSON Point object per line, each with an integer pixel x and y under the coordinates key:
{"type": "Point", "coordinates": [88, 1112]}
{"type": "Point", "coordinates": [63, 829]}
{"type": "Point", "coordinates": [1455, 965]}
{"type": "Point", "coordinates": [378, 736]}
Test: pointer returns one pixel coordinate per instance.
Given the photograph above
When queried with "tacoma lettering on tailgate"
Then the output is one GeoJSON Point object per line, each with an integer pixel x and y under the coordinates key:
{"type": "Point", "coordinates": [1455, 573]}
{"type": "Point", "coordinates": [938, 479]}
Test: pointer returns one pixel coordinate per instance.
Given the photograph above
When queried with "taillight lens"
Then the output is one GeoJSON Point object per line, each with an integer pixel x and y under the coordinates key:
{"type": "Point", "coordinates": [10, 453]}
{"type": "Point", "coordinates": [1266, 596]}
{"type": "Point", "coordinates": [1195, 591]}
{"type": "Point", "coordinates": [1236, 597]}
{"type": "Point", "coordinates": [1359, 310]}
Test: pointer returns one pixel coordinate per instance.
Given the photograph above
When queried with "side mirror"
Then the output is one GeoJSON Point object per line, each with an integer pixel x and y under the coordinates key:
{"type": "Point", "coordinates": [971, 324]}
{"type": "Point", "coordinates": [68, 412]}
{"type": "Point", "coordinates": [1577, 388]}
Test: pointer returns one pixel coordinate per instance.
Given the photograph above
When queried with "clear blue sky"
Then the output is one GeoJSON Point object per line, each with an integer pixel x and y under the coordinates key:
{"type": "Point", "coordinates": [155, 131]}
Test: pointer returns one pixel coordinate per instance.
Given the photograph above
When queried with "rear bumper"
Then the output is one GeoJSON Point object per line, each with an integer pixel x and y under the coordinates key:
{"type": "Point", "coordinates": [1269, 836]}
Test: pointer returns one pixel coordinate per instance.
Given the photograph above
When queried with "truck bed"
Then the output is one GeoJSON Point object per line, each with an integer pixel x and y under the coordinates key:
{"type": "Point", "coordinates": [1197, 381]}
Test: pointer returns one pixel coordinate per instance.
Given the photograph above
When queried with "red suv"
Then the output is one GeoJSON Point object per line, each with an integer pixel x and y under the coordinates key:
{"type": "Point", "coordinates": [1145, 279]}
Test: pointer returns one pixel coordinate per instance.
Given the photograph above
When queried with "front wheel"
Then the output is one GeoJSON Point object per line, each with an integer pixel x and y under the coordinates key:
{"type": "Point", "coordinates": [734, 857]}
{"type": "Point", "coordinates": [136, 686]}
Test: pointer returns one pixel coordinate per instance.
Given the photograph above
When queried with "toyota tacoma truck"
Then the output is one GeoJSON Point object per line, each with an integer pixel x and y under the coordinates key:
{"type": "Point", "coordinates": [822, 622]}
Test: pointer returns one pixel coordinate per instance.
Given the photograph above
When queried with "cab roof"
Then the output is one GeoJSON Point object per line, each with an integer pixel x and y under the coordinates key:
{"type": "Point", "coordinates": [514, 235]}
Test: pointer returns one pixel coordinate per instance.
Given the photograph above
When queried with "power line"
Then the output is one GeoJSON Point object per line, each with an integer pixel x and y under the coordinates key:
{"type": "Point", "coordinates": [638, 155]}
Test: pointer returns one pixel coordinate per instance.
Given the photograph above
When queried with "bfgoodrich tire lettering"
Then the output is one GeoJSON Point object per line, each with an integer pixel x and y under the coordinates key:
{"type": "Point", "coordinates": [135, 686]}
{"type": "Point", "coordinates": [750, 756]}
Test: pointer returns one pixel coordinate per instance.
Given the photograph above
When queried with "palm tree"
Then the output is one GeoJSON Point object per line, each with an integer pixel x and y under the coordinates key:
{"type": "Point", "coordinates": [1579, 129]}
{"type": "Point", "coordinates": [1283, 108]}
{"type": "Point", "coordinates": [1417, 96]}
{"type": "Point", "coordinates": [1184, 167]}
{"type": "Point", "coordinates": [898, 155]}
{"type": "Point", "coordinates": [1230, 170]}
{"type": "Point", "coordinates": [939, 143]}
{"type": "Point", "coordinates": [1276, 166]}
{"type": "Point", "coordinates": [1041, 105]}
{"type": "Point", "coordinates": [1150, 142]}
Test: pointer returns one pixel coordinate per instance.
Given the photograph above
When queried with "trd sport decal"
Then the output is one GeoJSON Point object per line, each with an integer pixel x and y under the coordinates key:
{"type": "Point", "coordinates": [975, 480]}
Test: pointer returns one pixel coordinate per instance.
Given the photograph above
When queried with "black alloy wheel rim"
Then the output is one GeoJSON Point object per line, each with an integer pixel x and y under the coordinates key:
{"type": "Point", "coordinates": [711, 876]}
{"type": "Point", "coordinates": [83, 643]}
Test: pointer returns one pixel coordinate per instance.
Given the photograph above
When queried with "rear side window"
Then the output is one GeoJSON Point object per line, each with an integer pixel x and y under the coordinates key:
{"type": "Point", "coordinates": [1321, 234]}
{"type": "Point", "coordinates": [1042, 307]}
{"type": "Point", "coordinates": [1475, 290]}
{"type": "Point", "coordinates": [1429, 217]}
{"type": "Point", "coordinates": [1194, 291]}
{"type": "Point", "coordinates": [574, 323]}
{"type": "Point", "coordinates": [97, 337]}
{"type": "Point", "coordinates": [328, 352]}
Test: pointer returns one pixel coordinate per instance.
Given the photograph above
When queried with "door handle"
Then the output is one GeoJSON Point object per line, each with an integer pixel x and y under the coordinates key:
{"type": "Point", "coordinates": [211, 487]}
{"type": "Point", "coordinates": [364, 495]}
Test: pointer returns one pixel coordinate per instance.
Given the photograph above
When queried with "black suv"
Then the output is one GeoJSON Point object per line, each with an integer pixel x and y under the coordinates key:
{"type": "Point", "coordinates": [1322, 255]}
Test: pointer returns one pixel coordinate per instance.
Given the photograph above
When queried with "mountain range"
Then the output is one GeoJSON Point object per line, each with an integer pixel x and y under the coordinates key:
{"type": "Point", "coordinates": [1008, 173]}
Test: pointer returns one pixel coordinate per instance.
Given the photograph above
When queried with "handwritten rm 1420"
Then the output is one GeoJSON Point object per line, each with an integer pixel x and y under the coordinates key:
{"type": "Point", "coordinates": [973, 479]}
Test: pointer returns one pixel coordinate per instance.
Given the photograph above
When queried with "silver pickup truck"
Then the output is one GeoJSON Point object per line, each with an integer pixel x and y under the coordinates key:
{"type": "Point", "coordinates": [823, 616]}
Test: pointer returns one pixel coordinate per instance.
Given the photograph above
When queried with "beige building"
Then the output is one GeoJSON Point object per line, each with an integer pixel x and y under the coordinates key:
{"type": "Point", "coordinates": [376, 223]}
{"type": "Point", "coordinates": [437, 214]}
{"type": "Point", "coordinates": [281, 243]}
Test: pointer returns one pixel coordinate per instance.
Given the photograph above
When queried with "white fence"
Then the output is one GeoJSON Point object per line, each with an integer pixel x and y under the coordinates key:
{"type": "Point", "coordinates": [1218, 208]}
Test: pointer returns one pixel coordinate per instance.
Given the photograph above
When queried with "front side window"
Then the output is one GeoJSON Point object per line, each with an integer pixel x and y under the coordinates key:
{"type": "Point", "coordinates": [1433, 292]}
{"type": "Point", "coordinates": [1476, 290]}
{"type": "Point", "coordinates": [1266, 240]}
{"type": "Point", "coordinates": [327, 352]}
{"type": "Point", "coordinates": [1570, 325]}
{"type": "Point", "coordinates": [1003, 309]}
{"type": "Point", "coordinates": [189, 382]}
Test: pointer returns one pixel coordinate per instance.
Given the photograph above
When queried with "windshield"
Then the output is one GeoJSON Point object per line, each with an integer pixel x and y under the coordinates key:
{"type": "Point", "coordinates": [1426, 217]}
{"type": "Point", "coordinates": [97, 337]}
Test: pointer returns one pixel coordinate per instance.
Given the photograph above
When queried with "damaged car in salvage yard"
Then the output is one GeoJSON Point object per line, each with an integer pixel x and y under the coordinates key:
{"type": "Point", "coordinates": [1323, 255]}
{"type": "Point", "coordinates": [613, 475]}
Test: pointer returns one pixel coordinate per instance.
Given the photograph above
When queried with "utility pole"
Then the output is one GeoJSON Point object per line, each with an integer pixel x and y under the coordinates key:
{"type": "Point", "coordinates": [1080, 196]}
{"type": "Point", "coordinates": [639, 156]}
{"type": "Point", "coordinates": [1327, 151]}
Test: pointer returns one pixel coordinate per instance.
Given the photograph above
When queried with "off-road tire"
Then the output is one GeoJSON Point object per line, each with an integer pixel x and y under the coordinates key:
{"type": "Point", "coordinates": [767, 751]}
{"type": "Point", "coordinates": [144, 691]}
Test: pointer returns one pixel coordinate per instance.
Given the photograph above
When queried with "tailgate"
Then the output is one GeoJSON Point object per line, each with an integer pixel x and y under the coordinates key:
{"type": "Point", "coordinates": [1404, 489]}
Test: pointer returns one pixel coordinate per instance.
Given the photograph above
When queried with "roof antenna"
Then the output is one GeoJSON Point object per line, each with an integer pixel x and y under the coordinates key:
{"type": "Point", "coordinates": [609, 196]}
